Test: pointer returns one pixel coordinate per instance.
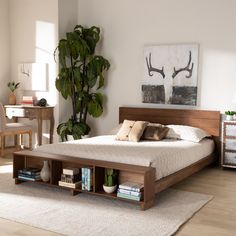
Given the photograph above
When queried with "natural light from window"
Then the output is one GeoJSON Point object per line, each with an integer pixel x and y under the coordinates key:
{"type": "Point", "coordinates": [45, 46]}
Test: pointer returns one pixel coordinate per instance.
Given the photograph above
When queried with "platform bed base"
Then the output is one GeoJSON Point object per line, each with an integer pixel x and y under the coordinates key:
{"type": "Point", "coordinates": [141, 174]}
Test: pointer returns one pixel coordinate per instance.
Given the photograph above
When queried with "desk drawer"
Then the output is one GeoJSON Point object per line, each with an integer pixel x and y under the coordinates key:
{"type": "Point", "coordinates": [30, 113]}
{"type": "Point", "coordinates": [17, 112]}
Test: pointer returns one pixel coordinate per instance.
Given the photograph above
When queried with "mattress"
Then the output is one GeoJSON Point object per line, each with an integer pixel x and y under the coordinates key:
{"type": "Point", "coordinates": [166, 156]}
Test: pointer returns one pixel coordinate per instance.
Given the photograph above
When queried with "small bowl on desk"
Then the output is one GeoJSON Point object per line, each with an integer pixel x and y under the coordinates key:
{"type": "Point", "coordinates": [109, 189]}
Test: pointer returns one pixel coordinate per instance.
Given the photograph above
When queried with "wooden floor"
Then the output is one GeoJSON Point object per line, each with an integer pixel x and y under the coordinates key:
{"type": "Point", "coordinates": [218, 217]}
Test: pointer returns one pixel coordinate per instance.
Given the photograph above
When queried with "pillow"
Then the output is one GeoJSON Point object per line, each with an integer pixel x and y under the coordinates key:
{"type": "Point", "coordinates": [115, 130]}
{"type": "Point", "coordinates": [155, 132]}
{"type": "Point", "coordinates": [131, 130]}
{"type": "Point", "coordinates": [186, 133]}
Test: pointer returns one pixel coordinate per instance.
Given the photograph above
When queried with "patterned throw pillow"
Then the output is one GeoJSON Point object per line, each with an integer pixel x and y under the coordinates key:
{"type": "Point", "coordinates": [131, 130]}
{"type": "Point", "coordinates": [155, 132]}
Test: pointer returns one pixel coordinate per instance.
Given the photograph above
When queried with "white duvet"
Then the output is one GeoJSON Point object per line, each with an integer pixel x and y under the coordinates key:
{"type": "Point", "coordinates": [167, 156]}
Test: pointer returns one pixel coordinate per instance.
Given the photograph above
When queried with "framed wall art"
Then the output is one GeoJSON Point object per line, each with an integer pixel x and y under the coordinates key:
{"type": "Point", "coordinates": [170, 74]}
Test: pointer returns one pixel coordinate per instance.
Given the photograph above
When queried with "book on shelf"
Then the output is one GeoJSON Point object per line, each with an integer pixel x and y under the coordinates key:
{"type": "Point", "coordinates": [136, 187]}
{"type": "Point", "coordinates": [70, 178]}
{"type": "Point", "coordinates": [70, 171]}
{"type": "Point", "coordinates": [29, 171]}
{"type": "Point", "coordinates": [127, 196]}
{"type": "Point", "coordinates": [70, 185]}
{"type": "Point", "coordinates": [30, 176]}
{"type": "Point", "coordinates": [87, 178]}
{"type": "Point", "coordinates": [24, 177]}
{"type": "Point", "coordinates": [129, 192]}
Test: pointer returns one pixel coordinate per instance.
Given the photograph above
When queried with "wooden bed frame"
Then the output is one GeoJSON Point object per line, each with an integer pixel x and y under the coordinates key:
{"type": "Point", "coordinates": [206, 120]}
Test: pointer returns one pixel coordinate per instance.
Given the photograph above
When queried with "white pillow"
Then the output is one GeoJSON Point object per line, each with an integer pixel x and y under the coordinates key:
{"type": "Point", "coordinates": [186, 133]}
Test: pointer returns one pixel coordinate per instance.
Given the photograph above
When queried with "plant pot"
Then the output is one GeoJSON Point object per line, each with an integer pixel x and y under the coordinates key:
{"type": "Point", "coordinates": [109, 189]}
{"type": "Point", "coordinates": [45, 172]}
{"type": "Point", "coordinates": [70, 137]}
{"type": "Point", "coordinates": [229, 117]}
{"type": "Point", "coordinates": [12, 99]}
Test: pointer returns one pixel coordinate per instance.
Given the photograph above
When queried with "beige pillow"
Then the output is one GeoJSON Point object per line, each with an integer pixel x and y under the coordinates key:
{"type": "Point", "coordinates": [155, 132]}
{"type": "Point", "coordinates": [131, 130]}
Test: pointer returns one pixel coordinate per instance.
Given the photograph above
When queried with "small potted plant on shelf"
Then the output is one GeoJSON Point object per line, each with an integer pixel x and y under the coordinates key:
{"type": "Point", "coordinates": [110, 184]}
{"type": "Point", "coordinates": [230, 115]}
{"type": "Point", "coordinates": [12, 97]}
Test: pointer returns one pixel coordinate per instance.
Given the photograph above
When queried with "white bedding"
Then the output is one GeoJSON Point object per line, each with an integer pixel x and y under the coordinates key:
{"type": "Point", "coordinates": [167, 156]}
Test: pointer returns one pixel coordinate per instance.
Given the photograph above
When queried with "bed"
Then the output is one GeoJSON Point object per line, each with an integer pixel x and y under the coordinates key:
{"type": "Point", "coordinates": [181, 158]}
{"type": "Point", "coordinates": [166, 156]}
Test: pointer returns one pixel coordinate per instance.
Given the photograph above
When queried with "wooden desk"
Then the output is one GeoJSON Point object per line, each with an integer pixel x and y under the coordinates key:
{"type": "Point", "coordinates": [33, 112]}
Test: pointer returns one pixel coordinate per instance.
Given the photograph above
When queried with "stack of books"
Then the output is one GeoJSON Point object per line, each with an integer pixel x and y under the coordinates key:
{"type": "Point", "coordinates": [70, 178]}
{"type": "Point", "coordinates": [130, 190]}
{"type": "Point", "coordinates": [87, 178]}
{"type": "Point", "coordinates": [32, 174]}
{"type": "Point", "coordinates": [27, 101]}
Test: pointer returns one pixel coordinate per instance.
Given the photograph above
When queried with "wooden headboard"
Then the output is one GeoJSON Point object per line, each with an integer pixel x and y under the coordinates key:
{"type": "Point", "coordinates": [204, 119]}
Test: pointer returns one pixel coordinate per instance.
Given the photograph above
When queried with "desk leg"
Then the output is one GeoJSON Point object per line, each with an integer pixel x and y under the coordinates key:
{"type": "Point", "coordinates": [51, 129]}
{"type": "Point", "coordinates": [15, 120]}
{"type": "Point", "coordinates": [40, 133]}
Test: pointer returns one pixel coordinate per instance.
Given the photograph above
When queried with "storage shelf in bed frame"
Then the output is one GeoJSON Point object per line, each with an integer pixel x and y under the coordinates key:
{"type": "Point", "coordinates": [145, 175]}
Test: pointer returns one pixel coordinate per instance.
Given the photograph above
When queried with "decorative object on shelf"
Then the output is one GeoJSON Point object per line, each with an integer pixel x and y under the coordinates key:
{"type": "Point", "coordinates": [12, 97]}
{"type": "Point", "coordinates": [42, 102]}
{"type": "Point", "coordinates": [70, 178]}
{"type": "Point", "coordinates": [230, 115]}
{"type": "Point", "coordinates": [45, 172]}
{"type": "Point", "coordinates": [110, 184]}
{"type": "Point", "coordinates": [170, 74]}
{"type": "Point", "coordinates": [81, 74]}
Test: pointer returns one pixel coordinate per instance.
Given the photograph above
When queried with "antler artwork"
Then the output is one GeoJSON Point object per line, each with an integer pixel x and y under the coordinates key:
{"type": "Point", "coordinates": [187, 68]}
{"type": "Point", "coordinates": [153, 69]}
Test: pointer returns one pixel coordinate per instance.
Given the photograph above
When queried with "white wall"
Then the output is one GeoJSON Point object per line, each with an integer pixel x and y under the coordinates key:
{"type": "Point", "coordinates": [68, 16]}
{"type": "Point", "coordinates": [33, 38]}
{"type": "Point", "coordinates": [128, 25]}
{"type": "Point", "coordinates": [5, 50]}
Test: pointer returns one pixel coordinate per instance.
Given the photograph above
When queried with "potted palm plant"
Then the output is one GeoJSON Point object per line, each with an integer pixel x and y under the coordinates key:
{"type": "Point", "coordinates": [80, 78]}
{"type": "Point", "coordinates": [12, 97]}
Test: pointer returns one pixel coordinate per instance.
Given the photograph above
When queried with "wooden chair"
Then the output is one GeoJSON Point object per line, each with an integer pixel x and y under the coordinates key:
{"type": "Point", "coordinates": [12, 129]}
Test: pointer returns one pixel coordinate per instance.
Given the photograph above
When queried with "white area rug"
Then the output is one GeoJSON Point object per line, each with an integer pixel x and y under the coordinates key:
{"type": "Point", "coordinates": [55, 210]}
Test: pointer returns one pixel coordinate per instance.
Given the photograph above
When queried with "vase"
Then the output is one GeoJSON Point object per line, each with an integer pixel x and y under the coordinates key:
{"type": "Point", "coordinates": [12, 99]}
{"type": "Point", "coordinates": [45, 172]}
